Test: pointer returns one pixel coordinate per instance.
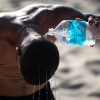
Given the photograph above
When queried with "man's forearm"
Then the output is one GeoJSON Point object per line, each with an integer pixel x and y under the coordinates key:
{"type": "Point", "coordinates": [69, 13]}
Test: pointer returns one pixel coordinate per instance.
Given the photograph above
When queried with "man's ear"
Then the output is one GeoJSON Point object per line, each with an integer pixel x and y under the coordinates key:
{"type": "Point", "coordinates": [18, 51]}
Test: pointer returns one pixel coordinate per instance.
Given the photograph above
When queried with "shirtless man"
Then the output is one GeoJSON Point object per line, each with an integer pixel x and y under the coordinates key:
{"type": "Point", "coordinates": [16, 30]}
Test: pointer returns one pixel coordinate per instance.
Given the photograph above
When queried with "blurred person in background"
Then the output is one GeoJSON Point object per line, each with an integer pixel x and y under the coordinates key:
{"type": "Point", "coordinates": [27, 58]}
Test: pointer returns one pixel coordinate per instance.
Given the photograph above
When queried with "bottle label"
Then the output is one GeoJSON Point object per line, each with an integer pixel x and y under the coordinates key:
{"type": "Point", "coordinates": [76, 32]}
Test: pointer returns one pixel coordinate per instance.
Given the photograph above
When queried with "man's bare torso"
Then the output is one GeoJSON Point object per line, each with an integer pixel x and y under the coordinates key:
{"type": "Point", "coordinates": [11, 80]}
{"type": "Point", "coordinates": [45, 16]}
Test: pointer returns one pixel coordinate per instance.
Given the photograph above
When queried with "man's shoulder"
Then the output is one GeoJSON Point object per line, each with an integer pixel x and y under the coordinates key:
{"type": "Point", "coordinates": [34, 7]}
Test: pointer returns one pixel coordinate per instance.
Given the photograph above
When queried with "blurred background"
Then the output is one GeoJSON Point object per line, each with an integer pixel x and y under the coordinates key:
{"type": "Point", "coordinates": [78, 76]}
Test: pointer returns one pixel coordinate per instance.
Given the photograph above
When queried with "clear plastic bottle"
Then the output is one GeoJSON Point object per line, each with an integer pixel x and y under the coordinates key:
{"type": "Point", "coordinates": [72, 32]}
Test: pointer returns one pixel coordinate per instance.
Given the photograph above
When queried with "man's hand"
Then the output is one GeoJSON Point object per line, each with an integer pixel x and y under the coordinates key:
{"type": "Point", "coordinates": [94, 26]}
{"type": "Point", "coordinates": [94, 23]}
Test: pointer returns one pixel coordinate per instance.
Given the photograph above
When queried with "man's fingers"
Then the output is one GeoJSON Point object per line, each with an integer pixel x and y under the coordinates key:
{"type": "Point", "coordinates": [97, 23]}
{"type": "Point", "coordinates": [91, 21]}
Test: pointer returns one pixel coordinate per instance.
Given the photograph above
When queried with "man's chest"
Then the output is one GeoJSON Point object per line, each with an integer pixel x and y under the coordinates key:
{"type": "Point", "coordinates": [7, 51]}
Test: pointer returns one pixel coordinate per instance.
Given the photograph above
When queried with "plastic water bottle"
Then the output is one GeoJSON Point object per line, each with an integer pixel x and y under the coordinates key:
{"type": "Point", "coordinates": [72, 32]}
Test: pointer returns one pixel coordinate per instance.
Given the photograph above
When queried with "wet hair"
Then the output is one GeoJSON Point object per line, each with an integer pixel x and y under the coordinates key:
{"type": "Point", "coordinates": [39, 60]}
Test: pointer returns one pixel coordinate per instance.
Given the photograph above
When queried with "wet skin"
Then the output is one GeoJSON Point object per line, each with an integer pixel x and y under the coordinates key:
{"type": "Point", "coordinates": [45, 16]}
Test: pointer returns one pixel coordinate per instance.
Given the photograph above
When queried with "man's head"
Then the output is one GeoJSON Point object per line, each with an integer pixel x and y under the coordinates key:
{"type": "Point", "coordinates": [39, 60]}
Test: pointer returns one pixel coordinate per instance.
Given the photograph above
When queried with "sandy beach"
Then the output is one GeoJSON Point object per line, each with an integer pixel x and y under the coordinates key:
{"type": "Point", "coordinates": [78, 75]}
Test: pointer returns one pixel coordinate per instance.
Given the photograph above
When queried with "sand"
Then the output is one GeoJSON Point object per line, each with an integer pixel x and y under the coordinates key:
{"type": "Point", "coordinates": [78, 76]}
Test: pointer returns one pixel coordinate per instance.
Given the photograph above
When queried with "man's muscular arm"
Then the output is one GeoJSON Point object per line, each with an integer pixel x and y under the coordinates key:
{"type": "Point", "coordinates": [69, 13]}
{"type": "Point", "coordinates": [47, 16]}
